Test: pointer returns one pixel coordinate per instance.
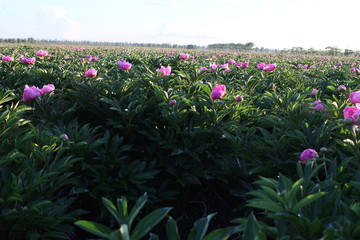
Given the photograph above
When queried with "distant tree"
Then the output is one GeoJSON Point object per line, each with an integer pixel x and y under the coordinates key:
{"type": "Point", "coordinates": [31, 40]}
{"type": "Point", "coordinates": [249, 45]}
{"type": "Point", "coordinates": [348, 52]}
{"type": "Point", "coordinates": [333, 51]}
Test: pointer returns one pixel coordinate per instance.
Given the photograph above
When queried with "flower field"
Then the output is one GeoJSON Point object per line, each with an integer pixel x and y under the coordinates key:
{"type": "Point", "coordinates": [135, 143]}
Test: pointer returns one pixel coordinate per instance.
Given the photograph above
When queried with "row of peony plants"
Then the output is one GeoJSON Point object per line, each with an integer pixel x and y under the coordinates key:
{"type": "Point", "coordinates": [277, 144]}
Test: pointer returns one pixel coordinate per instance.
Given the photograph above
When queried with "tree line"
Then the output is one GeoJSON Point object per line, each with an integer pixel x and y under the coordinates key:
{"type": "Point", "coordinates": [98, 43]}
{"type": "Point", "coordinates": [229, 47]}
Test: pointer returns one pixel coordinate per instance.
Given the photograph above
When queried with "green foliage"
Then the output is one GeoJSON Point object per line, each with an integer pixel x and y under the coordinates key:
{"type": "Point", "coordinates": [118, 132]}
{"type": "Point", "coordinates": [125, 219]}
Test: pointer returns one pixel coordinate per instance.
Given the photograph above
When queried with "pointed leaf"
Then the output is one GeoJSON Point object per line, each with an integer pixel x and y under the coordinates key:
{"type": "Point", "coordinates": [295, 187]}
{"type": "Point", "coordinates": [122, 206]}
{"type": "Point", "coordinates": [273, 194]}
{"type": "Point", "coordinates": [148, 222]}
{"type": "Point", "coordinates": [172, 232]}
{"type": "Point", "coordinates": [271, 183]}
{"type": "Point", "coordinates": [200, 227]}
{"type": "Point", "coordinates": [253, 230]}
{"type": "Point", "coordinates": [265, 205]}
{"type": "Point", "coordinates": [219, 234]}
{"type": "Point", "coordinates": [94, 228]}
{"type": "Point", "coordinates": [138, 206]}
{"type": "Point", "coordinates": [307, 200]}
{"type": "Point", "coordinates": [112, 209]}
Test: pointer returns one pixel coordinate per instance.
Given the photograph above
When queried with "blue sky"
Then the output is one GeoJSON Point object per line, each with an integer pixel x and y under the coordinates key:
{"type": "Point", "coordinates": [267, 23]}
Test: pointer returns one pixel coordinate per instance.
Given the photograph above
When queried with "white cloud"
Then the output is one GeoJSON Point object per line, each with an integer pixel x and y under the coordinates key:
{"type": "Point", "coordinates": [56, 12]}
{"type": "Point", "coordinates": [73, 30]}
{"type": "Point", "coordinates": [68, 28]}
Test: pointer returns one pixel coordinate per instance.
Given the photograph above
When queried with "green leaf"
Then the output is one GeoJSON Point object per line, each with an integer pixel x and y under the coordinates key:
{"type": "Point", "coordinates": [271, 183]}
{"type": "Point", "coordinates": [112, 209]}
{"type": "Point", "coordinates": [200, 227]}
{"type": "Point", "coordinates": [138, 206]}
{"type": "Point", "coordinates": [219, 234]}
{"type": "Point", "coordinates": [253, 230]}
{"type": "Point", "coordinates": [172, 232]}
{"type": "Point", "coordinates": [307, 200]}
{"type": "Point", "coordinates": [265, 205]}
{"type": "Point", "coordinates": [122, 207]}
{"type": "Point", "coordinates": [294, 188]}
{"type": "Point", "coordinates": [94, 228]}
{"type": "Point", "coordinates": [272, 193]}
{"type": "Point", "coordinates": [148, 222]}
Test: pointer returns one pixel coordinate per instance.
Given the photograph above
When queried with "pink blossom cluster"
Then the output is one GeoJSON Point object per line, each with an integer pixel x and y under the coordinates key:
{"type": "Point", "coordinates": [33, 92]}
{"type": "Point", "coordinates": [353, 113]}
{"type": "Point", "coordinates": [266, 67]}
{"type": "Point", "coordinates": [28, 61]}
{"type": "Point", "coordinates": [184, 56]}
{"type": "Point", "coordinates": [218, 91]}
{"type": "Point", "coordinates": [42, 53]}
{"type": "Point", "coordinates": [92, 72]}
{"type": "Point", "coordinates": [124, 65]}
{"type": "Point", "coordinates": [242, 64]}
{"type": "Point", "coordinates": [164, 71]}
{"type": "Point", "coordinates": [7, 58]}
{"type": "Point", "coordinates": [91, 58]}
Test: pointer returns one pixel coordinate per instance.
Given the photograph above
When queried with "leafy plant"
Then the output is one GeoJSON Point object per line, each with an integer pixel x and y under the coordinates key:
{"type": "Point", "coordinates": [125, 219]}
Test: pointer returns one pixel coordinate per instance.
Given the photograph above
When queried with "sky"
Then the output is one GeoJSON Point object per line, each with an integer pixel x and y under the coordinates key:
{"type": "Point", "coordinates": [273, 24]}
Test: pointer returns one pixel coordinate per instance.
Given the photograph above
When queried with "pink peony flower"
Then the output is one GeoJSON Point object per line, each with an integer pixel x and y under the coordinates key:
{"type": "Point", "coordinates": [355, 98]}
{"type": "Point", "coordinates": [308, 154]}
{"type": "Point", "coordinates": [213, 66]}
{"type": "Point", "coordinates": [314, 91]}
{"type": "Point", "coordinates": [218, 91]}
{"type": "Point", "coordinates": [231, 61]}
{"type": "Point", "coordinates": [245, 65]}
{"type": "Point", "coordinates": [261, 66]}
{"type": "Point", "coordinates": [226, 67]}
{"type": "Point", "coordinates": [64, 136]}
{"type": "Point", "coordinates": [172, 102]}
{"type": "Point", "coordinates": [6, 58]}
{"type": "Point", "coordinates": [203, 69]}
{"type": "Point", "coordinates": [164, 71]}
{"type": "Point", "coordinates": [42, 53]}
{"type": "Point", "coordinates": [319, 107]}
{"type": "Point", "coordinates": [239, 98]}
{"type": "Point", "coordinates": [28, 61]}
{"type": "Point", "coordinates": [239, 64]}
{"type": "Point", "coordinates": [269, 67]}
{"type": "Point", "coordinates": [30, 93]}
{"type": "Point", "coordinates": [93, 59]}
{"type": "Point", "coordinates": [124, 65]}
{"type": "Point", "coordinates": [353, 114]}
{"type": "Point", "coordinates": [91, 73]}
{"type": "Point", "coordinates": [184, 56]}
{"type": "Point", "coordinates": [47, 88]}
{"type": "Point", "coordinates": [341, 88]}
